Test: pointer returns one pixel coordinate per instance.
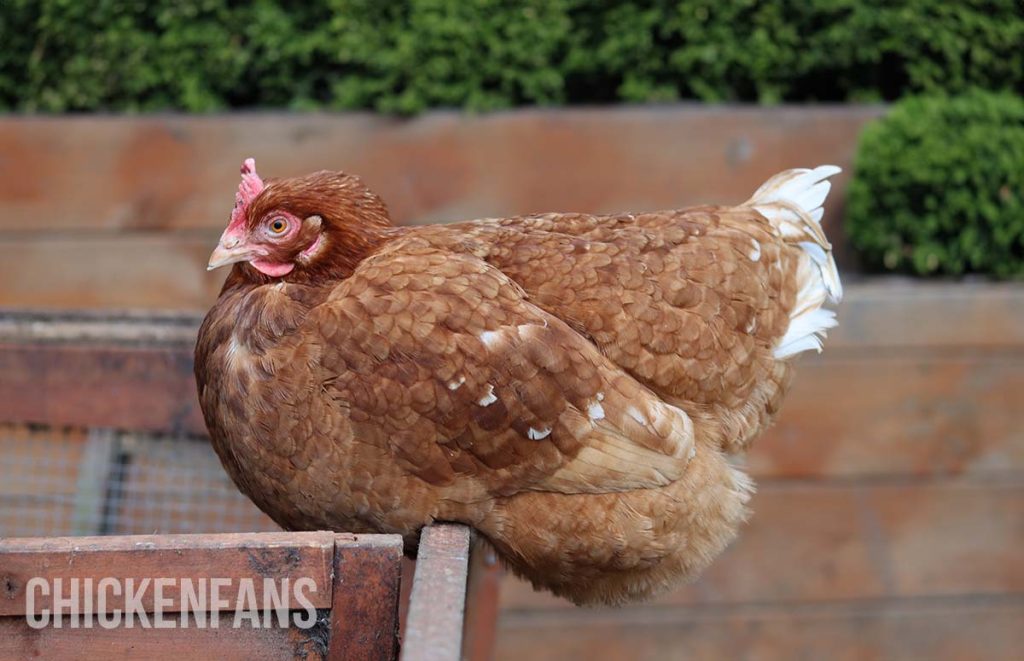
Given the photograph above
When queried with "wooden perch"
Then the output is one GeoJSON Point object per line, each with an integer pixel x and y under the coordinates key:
{"type": "Point", "coordinates": [355, 593]}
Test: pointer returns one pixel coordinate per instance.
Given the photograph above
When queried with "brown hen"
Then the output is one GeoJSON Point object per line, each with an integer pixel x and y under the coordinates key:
{"type": "Point", "coordinates": [567, 384]}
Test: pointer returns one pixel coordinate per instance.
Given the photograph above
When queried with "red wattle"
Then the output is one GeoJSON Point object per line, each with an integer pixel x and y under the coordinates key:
{"type": "Point", "coordinates": [273, 269]}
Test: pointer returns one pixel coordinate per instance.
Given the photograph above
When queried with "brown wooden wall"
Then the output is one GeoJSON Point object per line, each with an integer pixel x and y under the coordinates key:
{"type": "Point", "coordinates": [123, 212]}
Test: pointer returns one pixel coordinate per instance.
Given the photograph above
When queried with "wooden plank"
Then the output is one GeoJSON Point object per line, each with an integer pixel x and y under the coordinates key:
{"type": "Point", "coordinates": [167, 272]}
{"type": "Point", "coordinates": [825, 542]}
{"type": "Point", "coordinates": [433, 630]}
{"type": "Point", "coordinates": [100, 327]}
{"type": "Point", "coordinates": [134, 388]}
{"type": "Point", "coordinates": [853, 414]}
{"type": "Point", "coordinates": [355, 576]}
{"type": "Point", "coordinates": [18, 642]}
{"type": "Point", "coordinates": [128, 271]}
{"type": "Point", "coordinates": [364, 612]}
{"type": "Point", "coordinates": [153, 172]}
{"type": "Point", "coordinates": [482, 589]}
{"type": "Point", "coordinates": [893, 312]}
{"type": "Point", "coordinates": [879, 313]}
{"type": "Point", "coordinates": [146, 557]}
{"type": "Point", "coordinates": [950, 629]}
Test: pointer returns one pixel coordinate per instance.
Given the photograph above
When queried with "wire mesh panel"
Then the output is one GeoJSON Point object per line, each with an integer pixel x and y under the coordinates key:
{"type": "Point", "coordinates": [102, 482]}
{"type": "Point", "coordinates": [37, 487]}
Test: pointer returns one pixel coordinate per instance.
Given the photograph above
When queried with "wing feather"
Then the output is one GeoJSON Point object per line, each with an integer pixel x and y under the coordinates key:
{"type": "Point", "coordinates": [468, 383]}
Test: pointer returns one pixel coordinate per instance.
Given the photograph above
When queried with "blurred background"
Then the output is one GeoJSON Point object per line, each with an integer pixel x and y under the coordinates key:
{"type": "Point", "coordinates": [889, 519]}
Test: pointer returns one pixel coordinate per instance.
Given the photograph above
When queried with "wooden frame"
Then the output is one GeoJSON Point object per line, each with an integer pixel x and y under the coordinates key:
{"type": "Point", "coordinates": [356, 596]}
{"type": "Point", "coordinates": [355, 593]}
{"type": "Point", "coordinates": [133, 372]}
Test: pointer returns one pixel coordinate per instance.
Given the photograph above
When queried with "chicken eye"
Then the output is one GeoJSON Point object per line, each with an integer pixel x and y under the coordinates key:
{"type": "Point", "coordinates": [278, 225]}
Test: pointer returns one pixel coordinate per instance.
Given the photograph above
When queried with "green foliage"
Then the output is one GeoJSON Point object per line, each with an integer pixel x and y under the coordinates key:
{"type": "Point", "coordinates": [407, 55]}
{"type": "Point", "coordinates": [939, 187]}
{"type": "Point", "coordinates": [92, 55]}
{"type": "Point", "coordinates": [482, 54]}
{"type": "Point", "coordinates": [834, 50]}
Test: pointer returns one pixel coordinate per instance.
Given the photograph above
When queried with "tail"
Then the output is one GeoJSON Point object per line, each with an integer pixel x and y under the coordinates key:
{"type": "Point", "coordinates": [792, 201]}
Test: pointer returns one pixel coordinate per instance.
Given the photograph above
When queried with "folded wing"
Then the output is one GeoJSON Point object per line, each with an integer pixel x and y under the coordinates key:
{"type": "Point", "coordinates": [440, 358]}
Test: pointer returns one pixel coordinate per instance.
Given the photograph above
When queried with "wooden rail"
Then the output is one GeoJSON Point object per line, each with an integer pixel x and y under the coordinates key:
{"type": "Point", "coordinates": [433, 630]}
{"type": "Point", "coordinates": [351, 590]}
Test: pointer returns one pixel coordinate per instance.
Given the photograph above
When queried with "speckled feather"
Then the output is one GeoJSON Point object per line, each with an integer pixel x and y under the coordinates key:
{"type": "Point", "coordinates": [567, 384]}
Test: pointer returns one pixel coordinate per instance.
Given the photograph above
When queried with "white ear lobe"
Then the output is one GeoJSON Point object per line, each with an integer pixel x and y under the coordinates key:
{"type": "Point", "coordinates": [313, 222]}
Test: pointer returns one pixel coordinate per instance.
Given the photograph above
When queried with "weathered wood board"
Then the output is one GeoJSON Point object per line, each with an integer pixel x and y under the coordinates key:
{"type": "Point", "coordinates": [122, 212]}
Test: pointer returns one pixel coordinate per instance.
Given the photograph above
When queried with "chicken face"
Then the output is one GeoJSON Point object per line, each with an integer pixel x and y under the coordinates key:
{"type": "Point", "coordinates": [301, 227]}
{"type": "Point", "coordinates": [271, 242]}
{"type": "Point", "coordinates": [273, 245]}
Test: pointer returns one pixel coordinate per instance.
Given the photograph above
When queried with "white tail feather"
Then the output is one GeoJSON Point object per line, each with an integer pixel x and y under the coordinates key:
{"type": "Point", "coordinates": [792, 201]}
{"type": "Point", "coordinates": [806, 332]}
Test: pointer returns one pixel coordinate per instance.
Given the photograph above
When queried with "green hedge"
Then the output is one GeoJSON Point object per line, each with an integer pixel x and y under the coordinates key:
{"type": "Point", "coordinates": [938, 187]}
{"type": "Point", "coordinates": [405, 56]}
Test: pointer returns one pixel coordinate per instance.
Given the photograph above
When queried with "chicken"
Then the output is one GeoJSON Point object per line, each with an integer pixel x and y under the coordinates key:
{"type": "Point", "coordinates": [569, 385]}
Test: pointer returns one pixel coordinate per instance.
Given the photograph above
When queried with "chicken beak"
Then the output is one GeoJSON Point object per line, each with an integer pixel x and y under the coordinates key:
{"type": "Point", "coordinates": [231, 249]}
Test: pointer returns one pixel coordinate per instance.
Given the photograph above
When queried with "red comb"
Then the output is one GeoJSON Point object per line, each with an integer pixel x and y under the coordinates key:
{"type": "Point", "coordinates": [248, 189]}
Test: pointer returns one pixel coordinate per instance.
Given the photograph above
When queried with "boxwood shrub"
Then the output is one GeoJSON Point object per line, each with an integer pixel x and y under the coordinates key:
{"type": "Point", "coordinates": [408, 55]}
{"type": "Point", "coordinates": [938, 187]}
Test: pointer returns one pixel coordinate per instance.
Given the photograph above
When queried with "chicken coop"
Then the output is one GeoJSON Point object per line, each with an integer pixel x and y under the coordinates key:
{"type": "Point", "coordinates": [888, 513]}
